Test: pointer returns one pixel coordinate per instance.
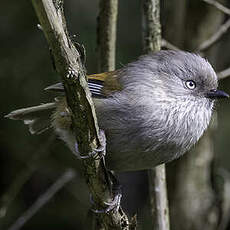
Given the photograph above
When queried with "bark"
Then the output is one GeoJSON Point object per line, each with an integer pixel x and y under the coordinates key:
{"type": "Point", "coordinates": [106, 46]}
{"type": "Point", "coordinates": [151, 26]}
{"type": "Point", "coordinates": [107, 28]}
{"type": "Point", "coordinates": [158, 198]}
{"type": "Point", "coordinates": [68, 64]}
{"type": "Point", "coordinates": [157, 177]}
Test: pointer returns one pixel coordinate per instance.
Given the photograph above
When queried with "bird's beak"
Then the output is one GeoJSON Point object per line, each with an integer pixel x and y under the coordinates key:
{"type": "Point", "coordinates": [216, 94]}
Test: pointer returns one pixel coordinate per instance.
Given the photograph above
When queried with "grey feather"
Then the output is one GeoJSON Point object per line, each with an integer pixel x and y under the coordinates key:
{"type": "Point", "coordinates": [36, 117]}
{"type": "Point", "coordinates": [154, 118]}
{"type": "Point", "coordinates": [58, 87]}
{"type": "Point", "coordinates": [95, 88]}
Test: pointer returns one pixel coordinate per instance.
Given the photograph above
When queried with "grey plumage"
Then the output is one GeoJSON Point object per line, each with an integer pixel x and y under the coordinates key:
{"type": "Point", "coordinates": [155, 118]}
{"type": "Point", "coordinates": [161, 109]}
{"type": "Point", "coordinates": [36, 117]}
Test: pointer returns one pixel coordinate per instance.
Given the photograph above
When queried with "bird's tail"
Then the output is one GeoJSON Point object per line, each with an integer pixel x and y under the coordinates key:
{"type": "Point", "coordinates": [38, 118]}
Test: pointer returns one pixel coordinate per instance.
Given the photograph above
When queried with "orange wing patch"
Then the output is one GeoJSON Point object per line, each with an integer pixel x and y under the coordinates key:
{"type": "Point", "coordinates": [100, 85]}
{"type": "Point", "coordinates": [109, 82]}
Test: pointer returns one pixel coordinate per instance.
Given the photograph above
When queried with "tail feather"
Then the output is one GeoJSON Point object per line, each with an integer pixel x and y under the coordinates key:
{"type": "Point", "coordinates": [36, 117]}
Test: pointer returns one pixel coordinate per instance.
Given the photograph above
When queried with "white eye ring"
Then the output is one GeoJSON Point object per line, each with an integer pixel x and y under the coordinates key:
{"type": "Point", "coordinates": [190, 84]}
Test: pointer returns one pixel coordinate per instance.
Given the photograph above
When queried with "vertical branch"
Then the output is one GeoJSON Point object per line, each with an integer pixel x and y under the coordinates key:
{"type": "Point", "coordinates": [107, 28]}
{"type": "Point", "coordinates": [84, 122]}
{"type": "Point", "coordinates": [106, 42]}
{"type": "Point", "coordinates": [158, 198]}
{"type": "Point", "coordinates": [157, 178]}
{"type": "Point", "coordinates": [151, 26]}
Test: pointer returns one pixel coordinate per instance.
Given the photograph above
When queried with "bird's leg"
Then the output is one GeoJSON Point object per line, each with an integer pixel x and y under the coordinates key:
{"type": "Point", "coordinates": [115, 192]}
{"type": "Point", "coordinates": [111, 180]}
{"type": "Point", "coordinates": [65, 113]}
{"type": "Point", "coordinates": [96, 153]}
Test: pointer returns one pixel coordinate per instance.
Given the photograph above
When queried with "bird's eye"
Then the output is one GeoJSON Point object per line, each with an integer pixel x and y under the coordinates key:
{"type": "Point", "coordinates": [190, 84]}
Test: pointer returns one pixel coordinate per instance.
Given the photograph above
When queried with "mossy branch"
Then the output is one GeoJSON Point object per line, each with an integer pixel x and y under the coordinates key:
{"type": "Point", "coordinates": [69, 66]}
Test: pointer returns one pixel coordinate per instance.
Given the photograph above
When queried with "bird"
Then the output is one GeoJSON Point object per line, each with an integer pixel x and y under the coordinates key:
{"type": "Point", "coordinates": [151, 110]}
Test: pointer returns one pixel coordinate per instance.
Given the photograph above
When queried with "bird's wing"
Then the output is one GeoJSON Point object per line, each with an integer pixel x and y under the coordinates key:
{"type": "Point", "coordinates": [100, 85]}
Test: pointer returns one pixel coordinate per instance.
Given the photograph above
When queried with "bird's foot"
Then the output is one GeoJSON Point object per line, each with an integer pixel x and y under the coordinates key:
{"type": "Point", "coordinates": [96, 153]}
{"type": "Point", "coordinates": [112, 205]}
{"type": "Point", "coordinates": [115, 188]}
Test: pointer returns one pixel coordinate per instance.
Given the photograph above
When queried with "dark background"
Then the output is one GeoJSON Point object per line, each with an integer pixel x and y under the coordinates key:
{"type": "Point", "coordinates": [26, 69]}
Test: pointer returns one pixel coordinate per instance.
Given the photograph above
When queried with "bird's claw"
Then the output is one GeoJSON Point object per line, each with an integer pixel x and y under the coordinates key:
{"type": "Point", "coordinates": [96, 153]}
{"type": "Point", "coordinates": [113, 205]}
{"type": "Point", "coordinates": [115, 190]}
{"type": "Point", "coordinates": [71, 73]}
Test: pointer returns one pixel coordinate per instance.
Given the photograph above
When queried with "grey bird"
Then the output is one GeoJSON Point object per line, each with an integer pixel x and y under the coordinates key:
{"type": "Point", "coordinates": [152, 110]}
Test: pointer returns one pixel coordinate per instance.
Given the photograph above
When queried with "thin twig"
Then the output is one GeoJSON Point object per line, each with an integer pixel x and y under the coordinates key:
{"type": "Point", "coordinates": [168, 45]}
{"type": "Point", "coordinates": [158, 197]}
{"type": "Point", "coordinates": [15, 187]}
{"type": "Point", "coordinates": [219, 6]}
{"type": "Point", "coordinates": [43, 199]}
{"type": "Point", "coordinates": [224, 73]}
{"type": "Point", "coordinates": [157, 178]}
{"type": "Point", "coordinates": [106, 46]}
{"type": "Point", "coordinates": [215, 37]}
